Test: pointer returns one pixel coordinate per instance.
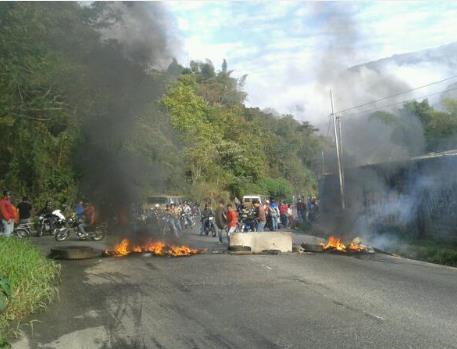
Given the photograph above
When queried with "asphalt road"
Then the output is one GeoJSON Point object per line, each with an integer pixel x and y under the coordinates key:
{"type": "Point", "coordinates": [263, 301]}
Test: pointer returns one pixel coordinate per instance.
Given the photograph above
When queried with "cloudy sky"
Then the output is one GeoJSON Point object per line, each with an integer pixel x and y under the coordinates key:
{"type": "Point", "coordinates": [289, 49]}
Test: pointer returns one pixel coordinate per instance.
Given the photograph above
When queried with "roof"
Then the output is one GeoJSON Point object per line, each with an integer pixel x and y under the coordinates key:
{"type": "Point", "coordinates": [432, 155]}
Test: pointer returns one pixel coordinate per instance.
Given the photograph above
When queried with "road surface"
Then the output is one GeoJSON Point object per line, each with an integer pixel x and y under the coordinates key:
{"type": "Point", "coordinates": [263, 301]}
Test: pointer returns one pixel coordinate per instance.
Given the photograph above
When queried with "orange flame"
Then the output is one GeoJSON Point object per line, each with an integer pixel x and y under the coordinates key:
{"type": "Point", "coordinates": [182, 251]}
{"type": "Point", "coordinates": [137, 249]}
{"type": "Point", "coordinates": [336, 244]}
{"type": "Point", "coordinates": [157, 248]}
{"type": "Point", "coordinates": [121, 249]}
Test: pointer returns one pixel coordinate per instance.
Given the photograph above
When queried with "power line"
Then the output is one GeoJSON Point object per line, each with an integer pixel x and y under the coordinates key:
{"type": "Point", "coordinates": [397, 94]}
{"type": "Point", "coordinates": [397, 103]}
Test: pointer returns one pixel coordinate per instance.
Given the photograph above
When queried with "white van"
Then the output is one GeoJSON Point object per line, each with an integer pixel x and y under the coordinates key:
{"type": "Point", "coordinates": [248, 200]}
{"type": "Point", "coordinates": [162, 200]}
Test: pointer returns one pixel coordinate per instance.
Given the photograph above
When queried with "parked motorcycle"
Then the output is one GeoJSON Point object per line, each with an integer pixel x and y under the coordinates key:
{"type": "Point", "coordinates": [95, 233]}
{"type": "Point", "coordinates": [21, 231]}
{"type": "Point", "coordinates": [209, 225]}
{"type": "Point", "coordinates": [187, 221]}
{"type": "Point", "coordinates": [51, 223]}
{"type": "Point", "coordinates": [247, 220]}
{"type": "Point", "coordinates": [170, 226]}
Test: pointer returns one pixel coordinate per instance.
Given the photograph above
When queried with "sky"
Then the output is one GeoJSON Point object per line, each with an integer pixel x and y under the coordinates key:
{"type": "Point", "coordinates": [292, 51]}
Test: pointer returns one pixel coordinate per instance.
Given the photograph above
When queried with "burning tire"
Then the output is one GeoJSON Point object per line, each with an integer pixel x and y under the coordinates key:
{"type": "Point", "coordinates": [74, 252]}
{"type": "Point", "coordinates": [312, 247]}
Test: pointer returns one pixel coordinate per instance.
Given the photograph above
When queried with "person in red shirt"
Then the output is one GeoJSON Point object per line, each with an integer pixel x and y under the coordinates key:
{"type": "Point", "coordinates": [283, 214]}
{"type": "Point", "coordinates": [90, 219]}
{"type": "Point", "coordinates": [232, 220]}
{"type": "Point", "coordinates": [8, 214]}
{"type": "Point", "coordinates": [89, 211]}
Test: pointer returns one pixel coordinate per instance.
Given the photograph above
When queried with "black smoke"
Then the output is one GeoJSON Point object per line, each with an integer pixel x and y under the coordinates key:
{"type": "Point", "coordinates": [120, 155]}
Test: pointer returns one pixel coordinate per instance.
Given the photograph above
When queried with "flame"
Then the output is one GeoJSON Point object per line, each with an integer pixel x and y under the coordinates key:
{"type": "Point", "coordinates": [157, 248]}
{"type": "Point", "coordinates": [356, 247]}
{"type": "Point", "coordinates": [121, 249]}
{"type": "Point", "coordinates": [137, 249]}
{"type": "Point", "coordinates": [182, 251]}
{"type": "Point", "coordinates": [335, 244]}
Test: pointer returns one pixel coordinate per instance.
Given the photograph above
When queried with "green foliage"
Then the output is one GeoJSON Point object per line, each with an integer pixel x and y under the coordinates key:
{"type": "Point", "coordinates": [60, 85]}
{"type": "Point", "coordinates": [37, 132]}
{"type": "Point", "coordinates": [65, 115]}
{"type": "Point", "coordinates": [440, 127]}
{"type": "Point", "coordinates": [230, 147]}
{"type": "Point", "coordinates": [32, 279]}
{"type": "Point", "coordinates": [279, 188]}
{"type": "Point", "coordinates": [438, 252]}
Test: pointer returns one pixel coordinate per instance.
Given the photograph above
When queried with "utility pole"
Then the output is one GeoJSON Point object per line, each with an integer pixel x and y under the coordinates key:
{"type": "Point", "coordinates": [340, 123]}
{"type": "Point", "coordinates": [338, 150]}
{"type": "Point", "coordinates": [323, 164]}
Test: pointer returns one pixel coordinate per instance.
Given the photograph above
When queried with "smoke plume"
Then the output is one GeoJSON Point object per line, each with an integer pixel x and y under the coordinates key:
{"type": "Point", "coordinates": [398, 197]}
{"type": "Point", "coordinates": [125, 141]}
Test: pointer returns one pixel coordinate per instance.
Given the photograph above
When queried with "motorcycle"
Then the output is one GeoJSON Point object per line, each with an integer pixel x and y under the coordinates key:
{"type": "Point", "coordinates": [187, 221]}
{"type": "Point", "coordinates": [22, 231]}
{"type": "Point", "coordinates": [209, 226]}
{"type": "Point", "coordinates": [51, 223]}
{"type": "Point", "coordinates": [248, 221]}
{"type": "Point", "coordinates": [170, 226]}
{"type": "Point", "coordinates": [95, 233]}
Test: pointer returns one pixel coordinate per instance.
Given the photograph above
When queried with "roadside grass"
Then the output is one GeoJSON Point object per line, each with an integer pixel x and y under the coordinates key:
{"type": "Point", "coordinates": [33, 281]}
{"type": "Point", "coordinates": [428, 250]}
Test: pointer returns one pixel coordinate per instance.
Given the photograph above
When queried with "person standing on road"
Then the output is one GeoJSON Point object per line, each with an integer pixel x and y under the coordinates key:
{"type": "Point", "coordinates": [206, 213]}
{"type": "Point", "coordinates": [16, 213]}
{"type": "Point", "coordinates": [89, 211]}
{"type": "Point", "coordinates": [232, 220]}
{"type": "Point", "coordinates": [261, 218]}
{"type": "Point", "coordinates": [174, 218]}
{"type": "Point", "coordinates": [283, 208]}
{"type": "Point", "coordinates": [290, 215]}
{"type": "Point", "coordinates": [266, 208]}
{"type": "Point", "coordinates": [274, 212]}
{"type": "Point", "coordinates": [25, 210]}
{"type": "Point", "coordinates": [79, 209]}
{"type": "Point", "coordinates": [221, 220]}
{"type": "Point", "coordinates": [90, 219]}
{"type": "Point", "coordinates": [301, 209]}
{"type": "Point", "coordinates": [7, 213]}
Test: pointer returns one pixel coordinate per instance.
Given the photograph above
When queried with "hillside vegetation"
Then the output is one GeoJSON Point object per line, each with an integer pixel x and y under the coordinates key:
{"type": "Point", "coordinates": [81, 116]}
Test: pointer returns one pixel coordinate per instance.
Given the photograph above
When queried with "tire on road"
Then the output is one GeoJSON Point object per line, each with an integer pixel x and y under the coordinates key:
{"type": "Point", "coordinates": [312, 247]}
{"type": "Point", "coordinates": [272, 252]}
{"type": "Point", "coordinates": [74, 252]}
{"type": "Point", "coordinates": [240, 248]}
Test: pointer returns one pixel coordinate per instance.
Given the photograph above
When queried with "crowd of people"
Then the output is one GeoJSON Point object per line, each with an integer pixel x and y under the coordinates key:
{"type": "Point", "coordinates": [13, 214]}
{"type": "Point", "coordinates": [248, 217]}
{"type": "Point", "coordinates": [224, 220]}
